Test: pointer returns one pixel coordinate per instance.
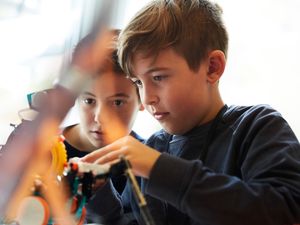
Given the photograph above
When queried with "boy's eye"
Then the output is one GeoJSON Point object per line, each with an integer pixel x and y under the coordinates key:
{"type": "Point", "coordinates": [89, 101]}
{"type": "Point", "coordinates": [118, 102]}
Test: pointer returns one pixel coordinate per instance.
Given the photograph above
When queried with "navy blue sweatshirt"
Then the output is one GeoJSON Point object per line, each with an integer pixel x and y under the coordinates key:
{"type": "Point", "coordinates": [240, 169]}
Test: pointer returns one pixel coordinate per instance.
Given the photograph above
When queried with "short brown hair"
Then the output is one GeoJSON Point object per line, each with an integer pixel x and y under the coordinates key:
{"type": "Point", "coordinates": [191, 27]}
{"type": "Point", "coordinates": [112, 59]}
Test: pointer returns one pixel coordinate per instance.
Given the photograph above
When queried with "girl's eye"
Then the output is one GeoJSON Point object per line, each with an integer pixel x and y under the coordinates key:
{"type": "Point", "coordinates": [138, 83]}
{"type": "Point", "coordinates": [157, 78]}
{"type": "Point", "coordinates": [118, 102]}
{"type": "Point", "coordinates": [89, 101]}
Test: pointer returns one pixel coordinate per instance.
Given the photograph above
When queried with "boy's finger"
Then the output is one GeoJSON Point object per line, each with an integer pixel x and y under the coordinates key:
{"type": "Point", "coordinates": [110, 158]}
{"type": "Point", "coordinates": [93, 156]}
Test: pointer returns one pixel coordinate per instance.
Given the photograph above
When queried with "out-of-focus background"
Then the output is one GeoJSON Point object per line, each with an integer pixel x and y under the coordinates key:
{"type": "Point", "coordinates": [37, 38]}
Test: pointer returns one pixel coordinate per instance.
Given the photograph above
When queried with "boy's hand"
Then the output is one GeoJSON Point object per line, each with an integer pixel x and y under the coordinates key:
{"type": "Point", "coordinates": [141, 157]}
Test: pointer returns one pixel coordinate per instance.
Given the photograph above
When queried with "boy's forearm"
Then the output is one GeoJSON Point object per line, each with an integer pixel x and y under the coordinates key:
{"type": "Point", "coordinates": [105, 205]}
{"type": "Point", "coordinates": [218, 198]}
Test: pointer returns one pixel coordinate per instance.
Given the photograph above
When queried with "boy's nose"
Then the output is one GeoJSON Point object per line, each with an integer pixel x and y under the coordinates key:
{"type": "Point", "coordinates": [149, 97]}
{"type": "Point", "coordinates": [150, 100]}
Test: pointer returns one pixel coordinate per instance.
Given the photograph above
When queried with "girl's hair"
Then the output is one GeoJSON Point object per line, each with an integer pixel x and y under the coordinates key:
{"type": "Point", "coordinates": [112, 60]}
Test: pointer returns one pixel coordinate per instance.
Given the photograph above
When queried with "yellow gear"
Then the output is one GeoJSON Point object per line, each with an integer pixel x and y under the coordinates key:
{"type": "Point", "coordinates": [59, 155]}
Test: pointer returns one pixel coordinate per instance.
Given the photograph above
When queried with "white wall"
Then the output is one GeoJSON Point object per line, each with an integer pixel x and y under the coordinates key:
{"type": "Point", "coordinates": [263, 63]}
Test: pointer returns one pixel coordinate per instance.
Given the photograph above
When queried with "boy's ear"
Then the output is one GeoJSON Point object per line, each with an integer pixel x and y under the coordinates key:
{"type": "Point", "coordinates": [141, 108]}
{"type": "Point", "coordinates": [216, 66]}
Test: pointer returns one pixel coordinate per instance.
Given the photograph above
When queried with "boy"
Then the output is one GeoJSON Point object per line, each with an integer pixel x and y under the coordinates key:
{"type": "Point", "coordinates": [211, 164]}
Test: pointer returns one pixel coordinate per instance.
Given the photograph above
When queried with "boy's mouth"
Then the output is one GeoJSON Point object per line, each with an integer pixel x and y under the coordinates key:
{"type": "Point", "coordinates": [160, 115]}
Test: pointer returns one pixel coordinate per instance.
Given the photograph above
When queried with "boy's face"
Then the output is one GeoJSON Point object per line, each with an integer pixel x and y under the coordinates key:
{"type": "Point", "coordinates": [107, 108]}
{"type": "Point", "coordinates": [176, 96]}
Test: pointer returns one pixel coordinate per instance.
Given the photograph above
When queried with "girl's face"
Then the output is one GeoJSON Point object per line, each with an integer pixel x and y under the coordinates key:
{"type": "Point", "coordinates": [107, 108]}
